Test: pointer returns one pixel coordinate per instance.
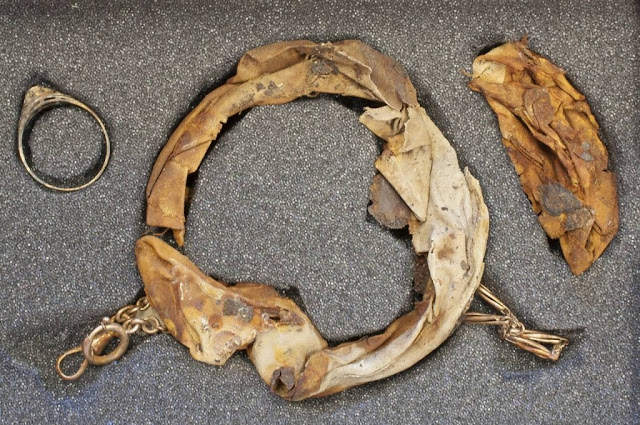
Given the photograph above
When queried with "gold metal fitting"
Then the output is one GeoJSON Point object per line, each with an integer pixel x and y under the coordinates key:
{"type": "Point", "coordinates": [128, 320]}
{"type": "Point", "coordinates": [513, 331]}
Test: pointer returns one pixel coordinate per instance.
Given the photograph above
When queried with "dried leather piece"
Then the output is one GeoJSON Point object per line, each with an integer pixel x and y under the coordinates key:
{"type": "Point", "coordinates": [443, 206]}
{"type": "Point", "coordinates": [552, 139]}
{"type": "Point", "coordinates": [421, 277]}
{"type": "Point", "coordinates": [387, 207]}
{"type": "Point", "coordinates": [269, 75]}
{"type": "Point", "coordinates": [215, 320]}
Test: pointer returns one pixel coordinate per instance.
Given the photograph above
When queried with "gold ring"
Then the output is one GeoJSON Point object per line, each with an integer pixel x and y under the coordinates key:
{"type": "Point", "coordinates": [36, 100]}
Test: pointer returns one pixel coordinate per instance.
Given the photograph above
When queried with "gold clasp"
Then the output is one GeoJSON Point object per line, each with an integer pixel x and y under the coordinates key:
{"type": "Point", "coordinates": [95, 342]}
{"type": "Point", "coordinates": [128, 320]}
{"type": "Point", "coordinates": [92, 348]}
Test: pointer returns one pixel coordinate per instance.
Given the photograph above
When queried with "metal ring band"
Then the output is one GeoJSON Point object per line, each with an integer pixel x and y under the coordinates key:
{"type": "Point", "coordinates": [93, 344]}
{"type": "Point", "coordinates": [36, 100]}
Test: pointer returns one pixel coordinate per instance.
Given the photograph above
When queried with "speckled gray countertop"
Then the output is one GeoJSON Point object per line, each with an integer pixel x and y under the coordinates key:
{"type": "Point", "coordinates": [281, 199]}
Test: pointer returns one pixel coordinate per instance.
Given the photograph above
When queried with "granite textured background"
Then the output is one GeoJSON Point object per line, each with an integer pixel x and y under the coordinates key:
{"type": "Point", "coordinates": [281, 199]}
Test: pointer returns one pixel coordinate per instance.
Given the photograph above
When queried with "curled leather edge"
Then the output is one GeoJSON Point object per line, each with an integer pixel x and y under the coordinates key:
{"type": "Point", "coordinates": [269, 75]}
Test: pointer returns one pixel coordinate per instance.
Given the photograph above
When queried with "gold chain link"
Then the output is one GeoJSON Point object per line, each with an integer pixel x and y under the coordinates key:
{"type": "Point", "coordinates": [126, 316]}
{"type": "Point", "coordinates": [128, 320]}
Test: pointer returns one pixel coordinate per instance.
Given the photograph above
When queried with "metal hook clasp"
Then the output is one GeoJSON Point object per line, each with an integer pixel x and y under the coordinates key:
{"type": "Point", "coordinates": [80, 370]}
{"type": "Point", "coordinates": [128, 320]}
{"type": "Point", "coordinates": [92, 347]}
